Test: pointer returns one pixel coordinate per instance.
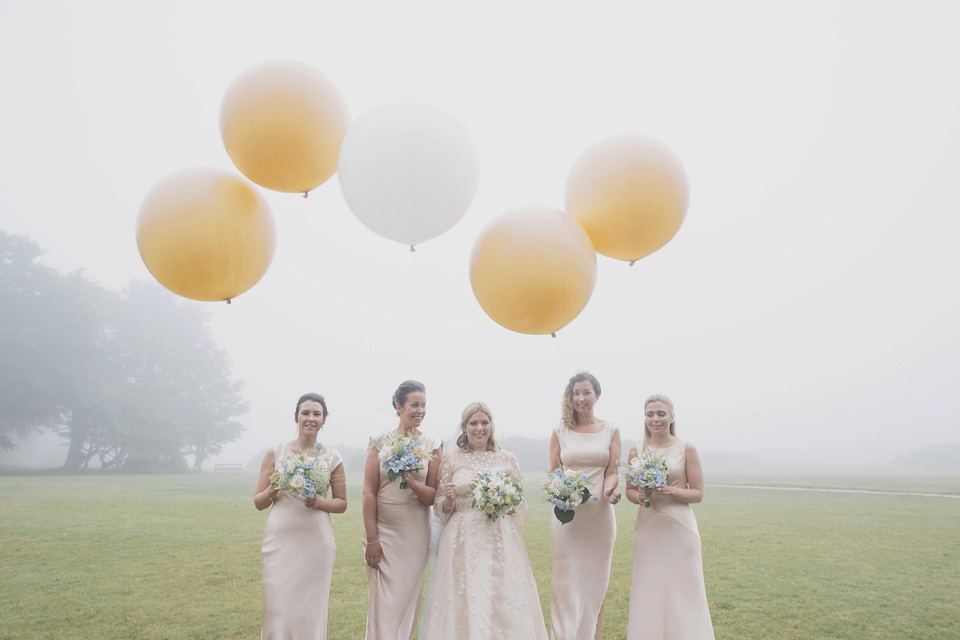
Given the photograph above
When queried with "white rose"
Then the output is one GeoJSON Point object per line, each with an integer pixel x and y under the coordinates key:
{"type": "Point", "coordinates": [297, 482]}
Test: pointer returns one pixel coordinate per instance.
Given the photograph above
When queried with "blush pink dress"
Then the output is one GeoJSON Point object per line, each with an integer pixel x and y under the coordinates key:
{"type": "Point", "coordinates": [582, 548]}
{"type": "Point", "coordinates": [668, 600]}
{"type": "Point", "coordinates": [297, 564]}
{"type": "Point", "coordinates": [403, 528]}
{"type": "Point", "coordinates": [482, 587]}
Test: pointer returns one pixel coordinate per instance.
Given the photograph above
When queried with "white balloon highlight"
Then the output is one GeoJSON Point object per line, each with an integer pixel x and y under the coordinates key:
{"type": "Point", "coordinates": [409, 172]}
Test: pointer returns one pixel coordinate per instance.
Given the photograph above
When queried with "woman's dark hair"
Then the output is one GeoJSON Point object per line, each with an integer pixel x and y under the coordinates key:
{"type": "Point", "coordinates": [315, 397]}
{"type": "Point", "coordinates": [406, 388]}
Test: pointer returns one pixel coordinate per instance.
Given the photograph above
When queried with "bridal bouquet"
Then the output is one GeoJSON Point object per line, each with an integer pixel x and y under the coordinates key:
{"type": "Point", "coordinates": [402, 453]}
{"type": "Point", "coordinates": [302, 475]}
{"type": "Point", "coordinates": [567, 490]}
{"type": "Point", "coordinates": [648, 470]}
{"type": "Point", "coordinates": [496, 494]}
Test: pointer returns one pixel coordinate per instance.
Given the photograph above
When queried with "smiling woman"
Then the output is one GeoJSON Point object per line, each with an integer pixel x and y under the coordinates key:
{"type": "Point", "coordinates": [396, 516]}
{"type": "Point", "coordinates": [483, 586]}
{"type": "Point", "coordinates": [667, 593]}
{"type": "Point", "coordinates": [298, 545]}
{"type": "Point", "coordinates": [583, 547]}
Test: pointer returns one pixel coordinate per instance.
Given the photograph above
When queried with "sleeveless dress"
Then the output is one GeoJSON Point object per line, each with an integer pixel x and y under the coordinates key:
{"type": "Point", "coordinates": [668, 600]}
{"type": "Point", "coordinates": [297, 564]}
{"type": "Point", "coordinates": [582, 548]}
{"type": "Point", "coordinates": [482, 587]}
{"type": "Point", "coordinates": [403, 528]}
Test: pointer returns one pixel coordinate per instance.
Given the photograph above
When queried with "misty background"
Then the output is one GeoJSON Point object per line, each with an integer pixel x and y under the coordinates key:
{"type": "Point", "coordinates": [805, 315]}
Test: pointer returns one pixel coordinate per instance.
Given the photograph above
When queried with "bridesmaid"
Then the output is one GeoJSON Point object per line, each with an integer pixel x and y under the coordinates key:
{"type": "Point", "coordinates": [667, 595]}
{"type": "Point", "coordinates": [396, 525]}
{"type": "Point", "coordinates": [298, 545]}
{"type": "Point", "coordinates": [583, 548]}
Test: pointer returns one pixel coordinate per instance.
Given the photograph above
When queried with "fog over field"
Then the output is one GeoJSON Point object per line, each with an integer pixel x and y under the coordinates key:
{"type": "Point", "coordinates": [805, 313]}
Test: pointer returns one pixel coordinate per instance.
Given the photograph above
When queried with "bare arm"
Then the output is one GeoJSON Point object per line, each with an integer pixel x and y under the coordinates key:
{"type": "Point", "coordinates": [554, 451]}
{"type": "Point", "coordinates": [693, 492]}
{"type": "Point", "coordinates": [337, 502]}
{"type": "Point", "coordinates": [371, 485]}
{"type": "Point", "coordinates": [266, 493]}
{"type": "Point", "coordinates": [611, 477]}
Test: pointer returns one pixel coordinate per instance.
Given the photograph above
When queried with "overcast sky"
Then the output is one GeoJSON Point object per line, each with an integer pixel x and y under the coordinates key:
{"type": "Point", "coordinates": [807, 307]}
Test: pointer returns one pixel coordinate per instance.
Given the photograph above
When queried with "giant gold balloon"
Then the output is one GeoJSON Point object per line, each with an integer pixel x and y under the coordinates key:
{"type": "Point", "coordinates": [533, 270]}
{"type": "Point", "coordinates": [282, 124]}
{"type": "Point", "coordinates": [205, 234]}
{"type": "Point", "coordinates": [630, 194]}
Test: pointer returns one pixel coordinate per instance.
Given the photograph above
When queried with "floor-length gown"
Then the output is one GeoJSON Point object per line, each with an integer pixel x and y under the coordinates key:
{"type": "Point", "coordinates": [667, 596]}
{"type": "Point", "coordinates": [403, 528]}
{"type": "Point", "coordinates": [297, 564]}
{"type": "Point", "coordinates": [483, 587]}
{"type": "Point", "coordinates": [582, 548]}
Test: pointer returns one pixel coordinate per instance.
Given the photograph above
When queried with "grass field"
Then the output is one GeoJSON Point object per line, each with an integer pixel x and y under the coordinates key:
{"type": "Point", "coordinates": [152, 557]}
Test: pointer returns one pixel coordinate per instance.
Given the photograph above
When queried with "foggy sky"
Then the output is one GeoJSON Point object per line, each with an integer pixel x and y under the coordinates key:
{"type": "Point", "coordinates": [806, 310]}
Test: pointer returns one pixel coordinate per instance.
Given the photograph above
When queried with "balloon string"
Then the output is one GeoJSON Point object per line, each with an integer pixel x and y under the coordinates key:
{"type": "Point", "coordinates": [228, 301]}
{"type": "Point", "coordinates": [412, 250]}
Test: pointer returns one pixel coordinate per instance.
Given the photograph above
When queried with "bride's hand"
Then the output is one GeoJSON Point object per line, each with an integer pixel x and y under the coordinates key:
{"type": "Point", "coordinates": [450, 491]}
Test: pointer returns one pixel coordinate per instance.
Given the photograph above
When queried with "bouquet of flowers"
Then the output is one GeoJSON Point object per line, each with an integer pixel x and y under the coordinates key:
{"type": "Point", "coordinates": [302, 475]}
{"type": "Point", "coordinates": [648, 470]}
{"type": "Point", "coordinates": [496, 494]}
{"type": "Point", "coordinates": [402, 453]}
{"type": "Point", "coordinates": [566, 489]}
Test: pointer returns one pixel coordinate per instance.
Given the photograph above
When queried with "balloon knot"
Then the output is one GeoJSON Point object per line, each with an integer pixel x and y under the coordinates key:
{"type": "Point", "coordinates": [305, 194]}
{"type": "Point", "coordinates": [229, 300]}
{"type": "Point", "coordinates": [633, 262]}
{"type": "Point", "coordinates": [412, 250]}
{"type": "Point", "coordinates": [553, 335]}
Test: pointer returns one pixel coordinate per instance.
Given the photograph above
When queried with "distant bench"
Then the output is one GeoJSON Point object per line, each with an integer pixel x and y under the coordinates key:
{"type": "Point", "coordinates": [236, 468]}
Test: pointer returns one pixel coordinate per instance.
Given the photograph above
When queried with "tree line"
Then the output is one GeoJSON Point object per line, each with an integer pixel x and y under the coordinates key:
{"type": "Point", "coordinates": [132, 380]}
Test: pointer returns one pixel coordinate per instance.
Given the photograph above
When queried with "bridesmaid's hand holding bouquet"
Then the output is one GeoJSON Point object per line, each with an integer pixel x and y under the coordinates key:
{"type": "Point", "coordinates": [402, 453]}
{"type": "Point", "coordinates": [648, 470]}
{"type": "Point", "coordinates": [566, 490]}
{"type": "Point", "coordinates": [302, 475]}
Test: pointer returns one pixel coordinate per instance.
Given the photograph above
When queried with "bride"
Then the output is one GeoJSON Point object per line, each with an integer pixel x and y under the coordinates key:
{"type": "Point", "coordinates": [483, 586]}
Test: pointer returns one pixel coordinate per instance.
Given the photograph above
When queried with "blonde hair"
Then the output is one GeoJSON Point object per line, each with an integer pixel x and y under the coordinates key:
{"type": "Point", "coordinates": [658, 397]}
{"type": "Point", "coordinates": [567, 413]}
{"type": "Point", "coordinates": [475, 407]}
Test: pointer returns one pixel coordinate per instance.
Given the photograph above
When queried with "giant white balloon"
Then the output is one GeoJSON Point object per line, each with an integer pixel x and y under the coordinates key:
{"type": "Point", "coordinates": [408, 171]}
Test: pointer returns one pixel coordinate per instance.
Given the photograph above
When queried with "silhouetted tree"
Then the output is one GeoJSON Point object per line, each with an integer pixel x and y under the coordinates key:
{"type": "Point", "coordinates": [50, 329]}
{"type": "Point", "coordinates": [134, 381]}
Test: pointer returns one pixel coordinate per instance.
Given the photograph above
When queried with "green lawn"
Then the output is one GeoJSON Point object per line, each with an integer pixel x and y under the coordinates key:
{"type": "Point", "coordinates": [150, 557]}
